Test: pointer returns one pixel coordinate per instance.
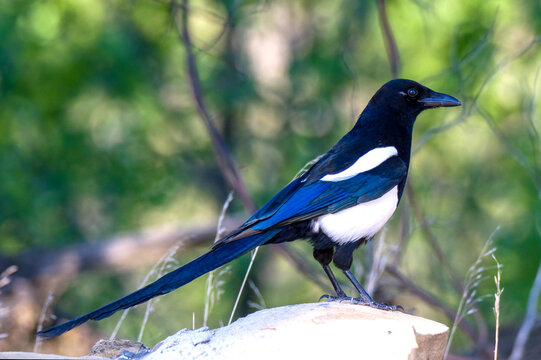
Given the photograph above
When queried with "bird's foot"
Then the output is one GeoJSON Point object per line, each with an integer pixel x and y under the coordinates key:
{"type": "Point", "coordinates": [377, 305]}
{"type": "Point", "coordinates": [360, 301]}
{"type": "Point", "coordinates": [335, 298]}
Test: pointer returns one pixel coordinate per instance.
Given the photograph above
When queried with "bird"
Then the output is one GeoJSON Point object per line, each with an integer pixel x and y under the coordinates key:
{"type": "Point", "coordinates": [338, 204]}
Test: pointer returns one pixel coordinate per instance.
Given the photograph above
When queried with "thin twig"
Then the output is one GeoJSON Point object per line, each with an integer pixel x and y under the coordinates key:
{"type": "Point", "coordinates": [261, 305]}
{"type": "Point", "coordinates": [225, 161]}
{"type": "Point", "coordinates": [390, 43]}
{"type": "Point", "coordinates": [497, 297]}
{"type": "Point", "coordinates": [42, 317]}
{"type": "Point", "coordinates": [4, 281]}
{"type": "Point", "coordinates": [223, 157]}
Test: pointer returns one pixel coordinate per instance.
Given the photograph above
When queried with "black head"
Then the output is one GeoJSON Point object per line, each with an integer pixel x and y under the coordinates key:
{"type": "Point", "coordinates": [410, 97]}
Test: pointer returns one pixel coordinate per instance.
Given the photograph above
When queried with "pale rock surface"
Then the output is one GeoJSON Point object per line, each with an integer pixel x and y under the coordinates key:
{"type": "Point", "coordinates": [312, 331]}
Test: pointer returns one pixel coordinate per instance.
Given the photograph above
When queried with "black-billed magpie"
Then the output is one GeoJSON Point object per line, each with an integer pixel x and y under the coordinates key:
{"type": "Point", "coordinates": [341, 202]}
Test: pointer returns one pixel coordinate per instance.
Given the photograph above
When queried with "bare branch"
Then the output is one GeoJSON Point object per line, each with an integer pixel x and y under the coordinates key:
{"type": "Point", "coordinates": [225, 161]}
{"type": "Point", "coordinates": [223, 157]}
{"type": "Point", "coordinates": [115, 253]}
{"type": "Point", "coordinates": [390, 43]}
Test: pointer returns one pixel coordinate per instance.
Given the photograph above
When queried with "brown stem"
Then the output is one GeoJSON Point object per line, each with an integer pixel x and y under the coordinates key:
{"type": "Point", "coordinates": [390, 43]}
{"type": "Point", "coordinates": [223, 157]}
{"type": "Point", "coordinates": [225, 161]}
{"type": "Point", "coordinates": [53, 269]}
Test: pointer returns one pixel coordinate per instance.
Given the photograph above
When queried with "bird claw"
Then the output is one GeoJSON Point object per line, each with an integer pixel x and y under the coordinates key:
{"type": "Point", "coordinates": [360, 301]}
{"type": "Point", "coordinates": [336, 298]}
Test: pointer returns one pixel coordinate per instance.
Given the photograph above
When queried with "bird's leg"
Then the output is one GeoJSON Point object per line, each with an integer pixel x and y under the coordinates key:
{"type": "Point", "coordinates": [324, 257]}
{"type": "Point", "coordinates": [342, 258]}
{"type": "Point", "coordinates": [339, 292]}
{"type": "Point", "coordinates": [366, 299]}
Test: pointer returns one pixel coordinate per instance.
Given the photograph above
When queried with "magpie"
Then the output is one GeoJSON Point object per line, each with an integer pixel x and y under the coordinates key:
{"type": "Point", "coordinates": [341, 202]}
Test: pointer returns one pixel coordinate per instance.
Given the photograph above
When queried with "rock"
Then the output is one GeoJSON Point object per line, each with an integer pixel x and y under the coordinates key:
{"type": "Point", "coordinates": [312, 331]}
{"type": "Point", "coordinates": [114, 347]}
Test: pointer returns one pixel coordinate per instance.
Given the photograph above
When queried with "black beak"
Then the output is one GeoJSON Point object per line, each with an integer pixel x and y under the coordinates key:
{"type": "Point", "coordinates": [436, 99]}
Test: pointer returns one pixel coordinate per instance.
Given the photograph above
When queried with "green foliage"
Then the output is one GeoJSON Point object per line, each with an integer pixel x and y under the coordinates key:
{"type": "Point", "coordinates": [99, 134]}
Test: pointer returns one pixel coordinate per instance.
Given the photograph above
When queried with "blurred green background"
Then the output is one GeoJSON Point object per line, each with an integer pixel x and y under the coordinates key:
{"type": "Point", "coordinates": [99, 135]}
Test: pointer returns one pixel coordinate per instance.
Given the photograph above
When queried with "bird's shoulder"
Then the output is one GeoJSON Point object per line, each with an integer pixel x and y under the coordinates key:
{"type": "Point", "coordinates": [341, 156]}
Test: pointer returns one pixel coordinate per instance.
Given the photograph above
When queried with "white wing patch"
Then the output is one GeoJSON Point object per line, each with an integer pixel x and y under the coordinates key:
{"type": "Point", "coordinates": [366, 162]}
{"type": "Point", "coordinates": [360, 221]}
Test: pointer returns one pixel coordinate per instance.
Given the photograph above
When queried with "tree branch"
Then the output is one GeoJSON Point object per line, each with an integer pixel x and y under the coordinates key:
{"type": "Point", "coordinates": [223, 157]}
{"type": "Point", "coordinates": [390, 43]}
{"type": "Point", "coordinates": [113, 254]}
{"type": "Point", "coordinates": [225, 161]}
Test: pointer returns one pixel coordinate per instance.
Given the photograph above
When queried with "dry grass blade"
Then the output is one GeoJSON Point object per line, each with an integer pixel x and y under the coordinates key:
{"type": "Point", "coordinates": [5, 280]}
{"type": "Point", "coordinates": [214, 284]}
{"type": "Point", "coordinates": [157, 269]}
{"type": "Point", "coordinates": [474, 276]}
{"type": "Point", "coordinates": [497, 298]}
{"type": "Point", "coordinates": [261, 304]}
{"type": "Point", "coordinates": [168, 262]}
{"type": "Point", "coordinates": [254, 254]}
{"type": "Point", "coordinates": [42, 318]}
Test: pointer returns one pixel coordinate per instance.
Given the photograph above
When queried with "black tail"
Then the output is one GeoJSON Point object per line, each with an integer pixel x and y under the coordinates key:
{"type": "Point", "coordinates": [169, 282]}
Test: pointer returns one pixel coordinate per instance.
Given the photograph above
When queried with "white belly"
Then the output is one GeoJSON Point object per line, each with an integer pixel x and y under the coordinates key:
{"type": "Point", "coordinates": [360, 221]}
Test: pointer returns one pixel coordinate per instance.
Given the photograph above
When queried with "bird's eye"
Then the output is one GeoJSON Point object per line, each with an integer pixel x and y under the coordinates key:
{"type": "Point", "coordinates": [412, 92]}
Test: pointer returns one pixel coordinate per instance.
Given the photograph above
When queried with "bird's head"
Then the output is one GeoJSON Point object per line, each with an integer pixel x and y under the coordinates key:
{"type": "Point", "coordinates": [410, 97]}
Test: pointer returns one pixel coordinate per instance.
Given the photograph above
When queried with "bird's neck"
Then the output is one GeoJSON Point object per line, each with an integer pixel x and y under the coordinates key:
{"type": "Point", "coordinates": [387, 127]}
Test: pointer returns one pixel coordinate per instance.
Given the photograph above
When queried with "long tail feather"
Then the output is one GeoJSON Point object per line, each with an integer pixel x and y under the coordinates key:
{"type": "Point", "coordinates": [169, 282]}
